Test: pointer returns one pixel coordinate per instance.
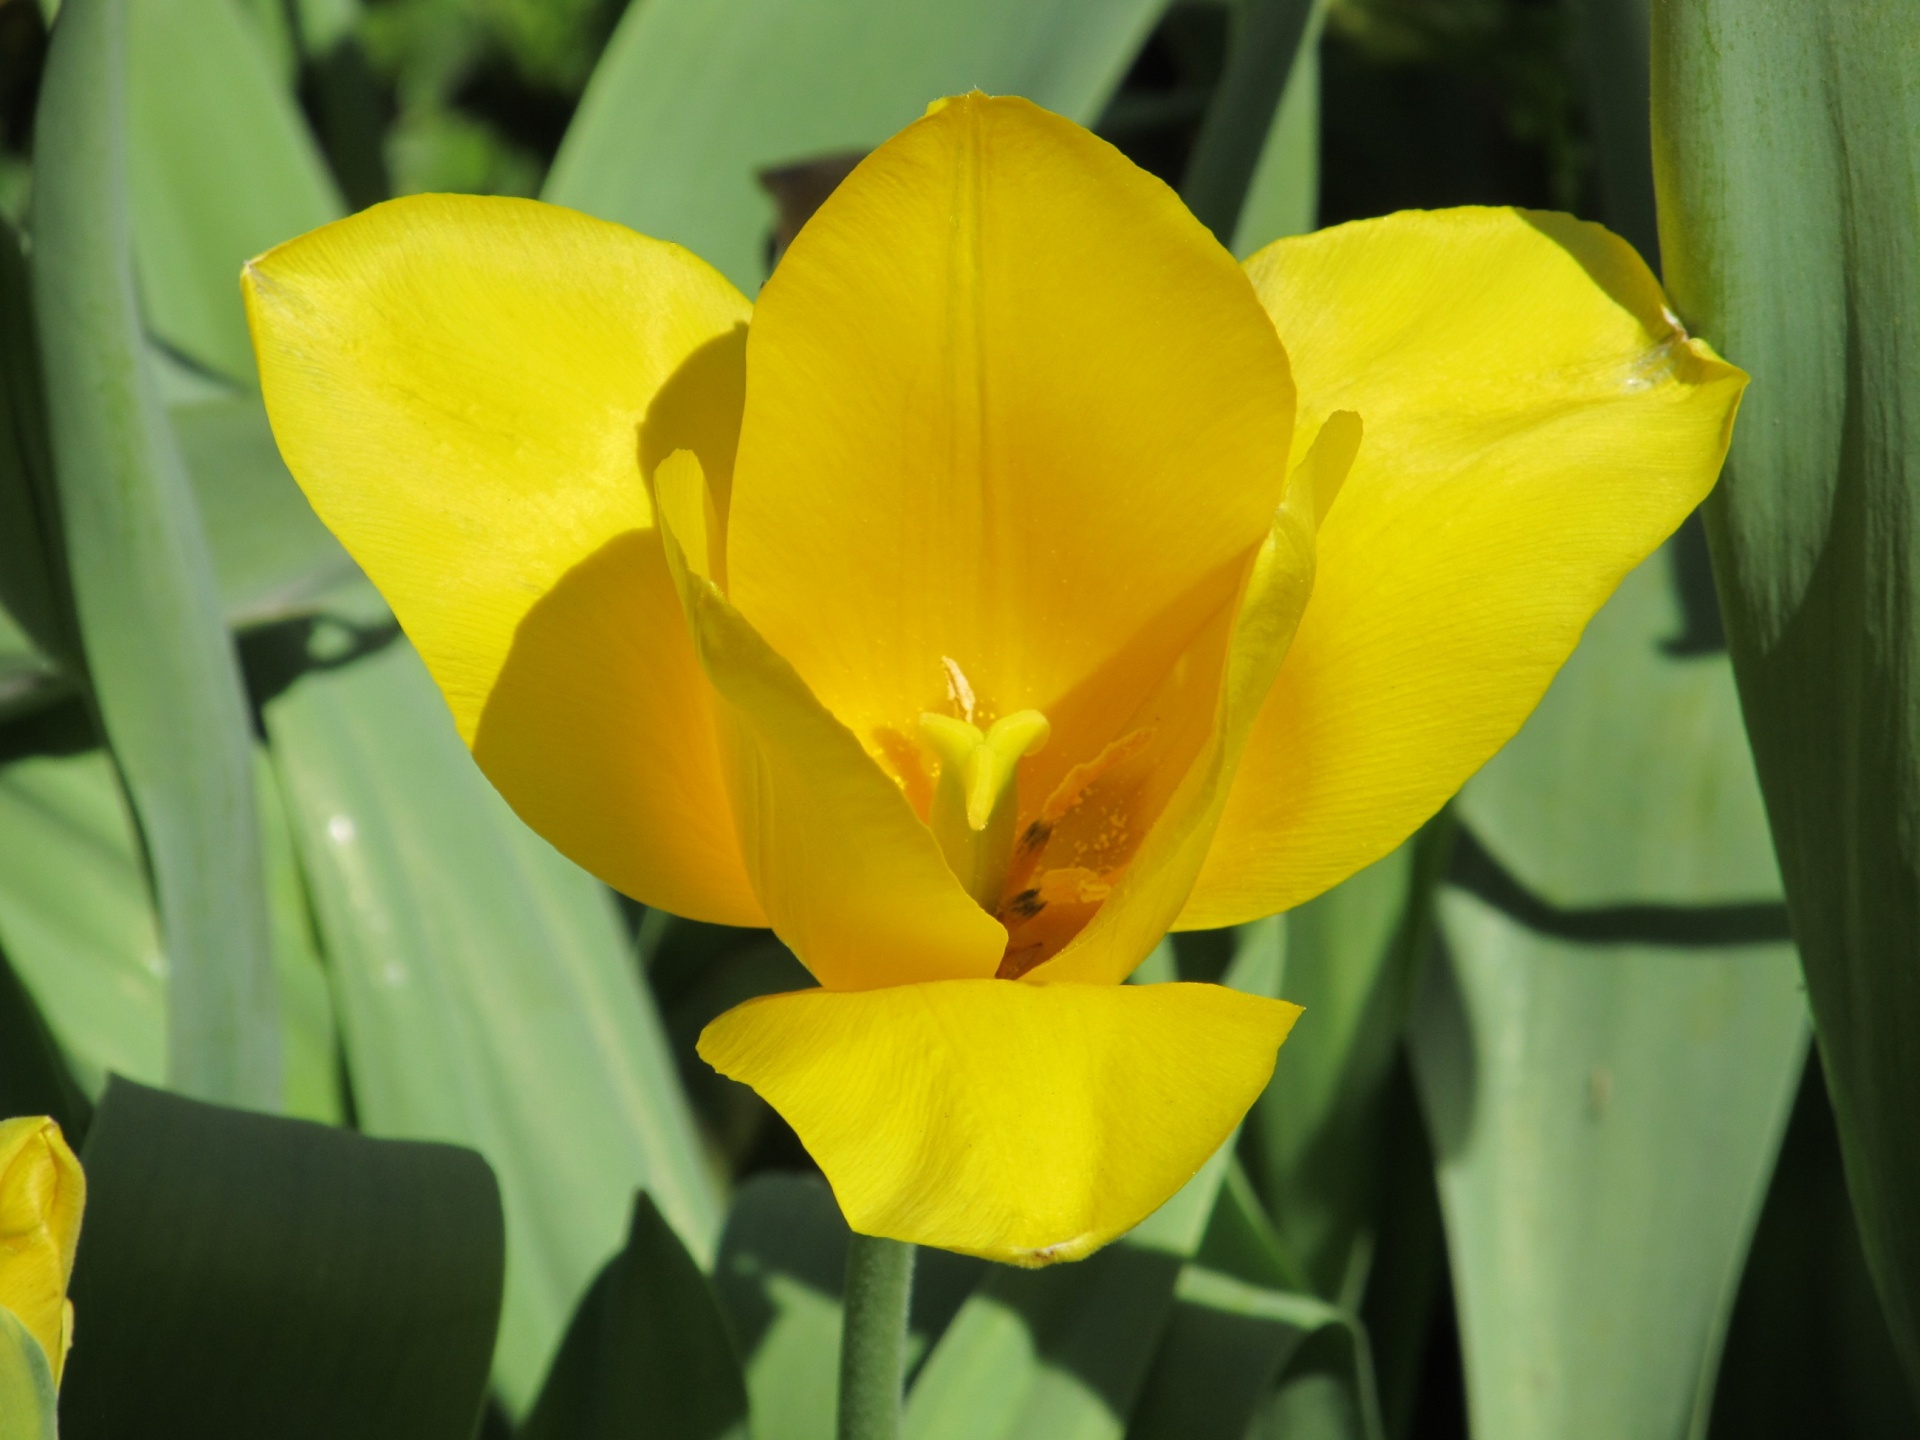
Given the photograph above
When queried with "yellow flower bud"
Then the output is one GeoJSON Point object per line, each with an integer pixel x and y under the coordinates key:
{"type": "Point", "coordinates": [42, 1192]}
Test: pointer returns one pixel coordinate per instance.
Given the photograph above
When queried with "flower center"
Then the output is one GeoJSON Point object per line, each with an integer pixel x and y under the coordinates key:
{"type": "Point", "coordinates": [976, 800]}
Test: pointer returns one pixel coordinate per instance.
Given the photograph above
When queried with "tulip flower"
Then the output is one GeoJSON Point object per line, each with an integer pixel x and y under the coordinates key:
{"type": "Point", "coordinates": [1019, 578]}
{"type": "Point", "coordinates": [42, 1192]}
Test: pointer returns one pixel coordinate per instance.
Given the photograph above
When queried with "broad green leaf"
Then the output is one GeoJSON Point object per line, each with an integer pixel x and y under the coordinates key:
{"type": "Point", "coordinates": [220, 167]}
{"type": "Point", "coordinates": [76, 920]}
{"type": "Point", "coordinates": [1226, 1343]}
{"type": "Point", "coordinates": [27, 1398]}
{"type": "Point", "coordinates": [1314, 1139]}
{"type": "Point", "coordinates": [77, 925]}
{"type": "Point", "coordinates": [1609, 1043]}
{"type": "Point", "coordinates": [242, 1275]}
{"type": "Point", "coordinates": [486, 992]}
{"type": "Point", "coordinates": [1807, 1352]}
{"type": "Point", "coordinates": [163, 671]}
{"type": "Point", "coordinates": [697, 972]}
{"type": "Point", "coordinates": [310, 1041]}
{"type": "Point", "coordinates": [29, 679]}
{"type": "Point", "coordinates": [780, 1274]}
{"type": "Point", "coordinates": [1612, 46]}
{"type": "Point", "coordinates": [37, 622]}
{"type": "Point", "coordinates": [647, 1353]}
{"type": "Point", "coordinates": [1283, 193]}
{"type": "Point", "coordinates": [693, 98]}
{"type": "Point", "coordinates": [34, 1079]}
{"type": "Point", "coordinates": [1057, 1354]}
{"type": "Point", "coordinates": [1605, 1119]}
{"type": "Point", "coordinates": [1632, 784]}
{"type": "Point", "coordinates": [1789, 197]}
{"type": "Point", "coordinates": [1241, 124]}
{"type": "Point", "coordinates": [272, 555]}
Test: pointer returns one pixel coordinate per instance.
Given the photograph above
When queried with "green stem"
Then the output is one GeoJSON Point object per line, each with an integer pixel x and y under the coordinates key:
{"type": "Point", "coordinates": [873, 1337]}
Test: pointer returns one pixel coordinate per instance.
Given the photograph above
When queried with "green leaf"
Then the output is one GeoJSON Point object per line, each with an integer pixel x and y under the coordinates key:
{"type": "Point", "coordinates": [1283, 193]}
{"type": "Point", "coordinates": [1608, 1047]}
{"type": "Point", "coordinates": [27, 1396]}
{"type": "Point", "coordinates": [780, 1274]}
{"type": "Point", "coordinates": [1263, 50]}
{"type": "Point", "coordinates": [1612, 46]}
{"type": "Point", "coordinates": [163, 670]}
{"type": "Point", "coordinates": [242, 1275]}
{"type": "Point", "coordinates": [220, 167]}
{"type": "Point", "coordinates": [1789, 192]}
{"type": "Point", "coordinates": [1226, 1343]}
{"type": "Point", "coordinates": [647, 1353]}
{"type": "Point", "coordinates": [1807, 1352]}
{"type": "Point", "coordinates": [273, 557]}
{"type": "Point", "coordinates": [77, 925]}
{"type": "Point", "coordinates": [34, 1079]}
{"type": "Point", "coordinates": [76, 920]}
{"type": "Point", "coordinates": [1314, 1139]}
{"type": "Point", "coordinates": [38, 638]}
{"type": "Point", "coordinates": [1632, 785]}
{"type": "Point", "coordinates": [486, 992]}
{"type": "Point", "coordinates": [693, 99]}
{"type": "Point", "coordinates": [1605, 1118]}
{"type": "Point", "coordinates": [782, 1260]}
{"type": "Point", "coordinates": [1057, 1354]}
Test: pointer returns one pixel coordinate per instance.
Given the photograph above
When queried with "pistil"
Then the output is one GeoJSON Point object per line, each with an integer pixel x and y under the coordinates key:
{"type": "Point", "coordinates": [977, 798]}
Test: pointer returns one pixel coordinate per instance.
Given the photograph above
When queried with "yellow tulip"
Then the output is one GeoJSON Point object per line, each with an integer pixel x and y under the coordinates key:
{"type": "Point", "coordinates": [42, 1192]}
{"type": "Point", "coordinates": [986, 599]}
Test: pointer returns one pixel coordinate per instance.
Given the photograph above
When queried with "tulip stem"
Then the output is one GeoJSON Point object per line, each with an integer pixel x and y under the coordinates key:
{"type": "Point", "coordinates": [873, 1338]}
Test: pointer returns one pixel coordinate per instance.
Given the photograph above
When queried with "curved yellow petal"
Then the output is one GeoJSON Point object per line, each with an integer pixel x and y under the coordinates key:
{"type": "Point", "coordinates": [1024, 1123]}
{"type": "Point", "coordinates": [466, 389]}
{"type": "Point", "coordinates": [1536, 423]}
{"type": "Point", "coordinates": [42, 1194]}
{"type": "Point", "coordinates": [1011, 407]}
{"type": "Point", "coordinates": [844, 870]}
{"type": "Point", "coordinates": [1154, 888]}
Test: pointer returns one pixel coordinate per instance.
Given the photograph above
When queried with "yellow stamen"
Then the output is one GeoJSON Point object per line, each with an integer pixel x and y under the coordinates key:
{"type": "Point", "coordinates": [977, 797]}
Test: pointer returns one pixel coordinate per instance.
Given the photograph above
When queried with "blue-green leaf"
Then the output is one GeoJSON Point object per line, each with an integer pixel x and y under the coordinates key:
{"type": "Point", "coordinates": [77, 926]}
{"type": "Point", "coordinates": [242, 1276]}
{"type": "Point", "coordinates": [486, 992]}
{"type": "Point", "coordinates": [220, 167]}
{"type": "Point", "coordinates": [1608, 1047]}
{"type": "Point", "coordinates": [1789, 198]}
{"type": "Point", "coordinates": [647, 1353]}
{"type": "Point", "coordinates": [694, 98]}
{"type": "Point", "coordinates": [162, 667]}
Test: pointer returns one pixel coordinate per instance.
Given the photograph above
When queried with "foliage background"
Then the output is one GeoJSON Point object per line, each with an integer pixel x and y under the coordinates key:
{"type": "Point", "coordinates": [1545, 1153]}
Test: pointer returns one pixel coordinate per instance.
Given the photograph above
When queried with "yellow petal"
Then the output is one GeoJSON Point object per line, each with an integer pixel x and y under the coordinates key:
{"type": "Point", "coordinates": [1024, 1123]}
{"type": "Point", "coordinates": [1155, 887]}
{"type": "Point", "coordinates": [1536, 423]}
{"type": "Point", "coordinates": [1011, 407]}
{"type": "Point", "coordinates": [844, 870]}
{"type": "Point", "coordinates": [466, 389]}
{"type": "Point", "coordinates": [42, 1192]}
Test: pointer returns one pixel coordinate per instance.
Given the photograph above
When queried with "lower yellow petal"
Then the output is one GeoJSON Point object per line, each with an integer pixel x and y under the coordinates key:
{"type": "Point", "coordinates": [42, 1192]}
{"type": "Point", "coordinates": [1536, 423]}
{"type": "Point", "coordinates": [843, 868]}
{"type": "Point", "coordinates": [1021, 1122]}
